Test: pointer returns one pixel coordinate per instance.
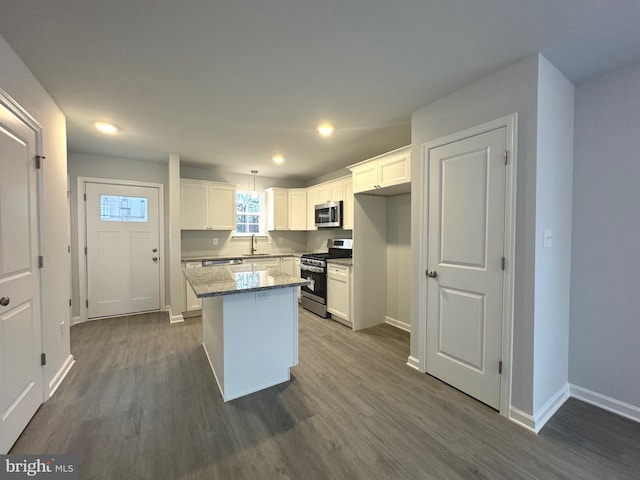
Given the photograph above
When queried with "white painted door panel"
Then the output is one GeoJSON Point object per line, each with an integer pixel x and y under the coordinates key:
{"type": "Point", "coordinates": [123, 270]}
{"type": "Point", "coordinates": [466, 245]}
{"type": "Point", "coordinates": [21, 384]}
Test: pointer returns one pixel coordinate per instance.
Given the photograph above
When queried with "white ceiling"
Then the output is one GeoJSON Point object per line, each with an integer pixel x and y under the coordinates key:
{"type": "Point", "coordinates": [232, 83]}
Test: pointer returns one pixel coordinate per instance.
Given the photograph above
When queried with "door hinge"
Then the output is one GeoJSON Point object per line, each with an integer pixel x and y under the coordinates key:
{"type": "Point", "coordinates": [39, 159]}
{"type": "Point", "coordinates": [69, 302]}
{"type": "Point", "coordinates": [87, 303]}
{"type": "Point", "coordinates": [506, 157]}
{"type": "Point", "coordinates": [500, 367]}
{"type": "Point", "coordinates": [85, 197]}
{"type": "Point", "coordinates": [40, 261]}
{"type": "Point", "coordinates": [43, 359]}
{"type": "Point", "coordinates": [504, 263]}
{"type": "Point", "coordinates": [85, 250]}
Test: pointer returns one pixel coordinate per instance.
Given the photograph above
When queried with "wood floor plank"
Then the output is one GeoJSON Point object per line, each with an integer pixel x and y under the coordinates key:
{"type": "Point", "coordinates": [141, 403]}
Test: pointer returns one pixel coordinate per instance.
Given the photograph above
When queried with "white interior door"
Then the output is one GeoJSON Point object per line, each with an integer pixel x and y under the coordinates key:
{"type": "Point", "coordinates": [466, 244]}
{"type": "Point", "coordinates": [123, 249]}
{"type": "Point", "coordinates": [20, 317]}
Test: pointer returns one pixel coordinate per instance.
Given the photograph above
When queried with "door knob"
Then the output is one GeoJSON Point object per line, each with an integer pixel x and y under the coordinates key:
{"type": "Point", "coordinates": [432, 273]}
{"type": "Point", "coordinates": [155, 259]}
{"type": "Point", "coordinates": [4, 301]}
{"type": "Point", "coordinates": [154, 250]}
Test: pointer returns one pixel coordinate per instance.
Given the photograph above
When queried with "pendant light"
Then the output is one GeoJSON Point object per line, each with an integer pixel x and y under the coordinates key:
{"type": "Point", "coordinates": [254, 193]}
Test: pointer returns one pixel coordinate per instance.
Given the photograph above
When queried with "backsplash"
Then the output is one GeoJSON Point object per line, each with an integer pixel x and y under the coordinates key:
{"type": "Point", "coordinates": [200, 242]}
{"type": "Point", "coordinates": [196, 242]}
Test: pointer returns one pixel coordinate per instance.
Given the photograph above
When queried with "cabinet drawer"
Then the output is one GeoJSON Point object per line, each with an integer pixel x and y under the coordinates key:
{"type": "Point", "coordinates": [338, 272]}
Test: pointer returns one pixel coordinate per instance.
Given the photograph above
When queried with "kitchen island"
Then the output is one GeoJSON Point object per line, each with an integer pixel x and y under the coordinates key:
{"type": "Point", "coordinates": [249, 325]}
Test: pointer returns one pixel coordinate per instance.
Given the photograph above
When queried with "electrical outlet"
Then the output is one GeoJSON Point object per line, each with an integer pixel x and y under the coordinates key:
{"type": "Point", "coordinates": [215, 241]}
{"type": "Point", "coordinates": [62, 329]}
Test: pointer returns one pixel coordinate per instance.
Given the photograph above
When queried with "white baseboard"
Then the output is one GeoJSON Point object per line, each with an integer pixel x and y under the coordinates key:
{"type": "Point", "coordinates": [60, 376]}
{"type": "Point", "coordinates": [76, 320]}
{"type": "Point", "coordinates": [534, 423]}
{"type": "Point", "coordinates": [523, 419]}
{"type": "Point", "coordinates": [551, 407]}
{"type": "Point", "coordinates": [173, 318]}
{"type": "Point", "coordinates": [398, 324]}
{"type": "Point", "coordinates": [414, 363]}
{"type": "Point", "coordinates": [618, 407]}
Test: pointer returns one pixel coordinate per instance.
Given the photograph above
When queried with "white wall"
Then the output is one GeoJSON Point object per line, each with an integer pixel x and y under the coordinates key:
{"type": "Point", "coordinates": [24, 88]}
{"type": "Point", "coordinates": [553, 212]}
{"type": "Point", "coordinates": [399, 259]}
{"type": "Point", "coordinates": [83, 165]}
{"type": "Point", "coordinates": [605, 323]}
{"type": "Point", "coordinates": [513, 89]}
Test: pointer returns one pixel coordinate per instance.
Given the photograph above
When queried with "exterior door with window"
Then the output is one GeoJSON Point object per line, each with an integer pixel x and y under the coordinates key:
{"type": "Point", "coordinates": [123, 249]}
{"type": "Point", "coordinates": [21, 383]}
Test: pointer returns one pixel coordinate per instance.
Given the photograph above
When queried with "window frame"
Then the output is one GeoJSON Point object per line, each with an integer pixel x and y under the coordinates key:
{"type": "Point", "coordinates": [262, 225]}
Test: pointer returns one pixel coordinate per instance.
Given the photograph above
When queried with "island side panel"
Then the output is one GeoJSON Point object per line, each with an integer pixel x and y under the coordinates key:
{"type": "Point", "coordinates": [260, 340]}
{"type": "Point", "coordinates": [213, 336]}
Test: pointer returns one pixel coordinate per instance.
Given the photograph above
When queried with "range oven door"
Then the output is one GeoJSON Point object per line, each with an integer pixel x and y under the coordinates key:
{"type": "Point", "coordinates": [317, 290]}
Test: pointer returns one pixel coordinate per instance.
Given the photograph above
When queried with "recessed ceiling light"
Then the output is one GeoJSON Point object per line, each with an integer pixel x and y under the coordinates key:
{"type": "Point", "coordinates": [278, 159]}
{"type": "Point", "coordinates": [107, 128]}
{"type": "Point", "coordinates": [325, 129]}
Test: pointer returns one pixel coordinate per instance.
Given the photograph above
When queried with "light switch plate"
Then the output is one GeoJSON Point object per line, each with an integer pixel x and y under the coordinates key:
{"type": "Point", "coordinates": [215, 241]}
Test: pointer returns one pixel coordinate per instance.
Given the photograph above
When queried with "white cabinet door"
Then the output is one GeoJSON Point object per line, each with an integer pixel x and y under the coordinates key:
{"type": "Point", "coordinates": [312, 201]}
{"type": "Point", "coordinates": [222, 207]}
{"type": "Point", "coordinates": [324, 193]}
{"type": "Point", "coordinates": [336, 190]}
{"type": "Point", "coordinates": [365, 177]}
{"type": "Point", "coordinates": [395, 169]}
{"type": "Point", "coordinates": [338, 298]}
{"type": "Point", "coordinates": [191, 301]}
{"type": "Point", "coordinates": [278, 205]}
{"type": "Point", "coordinates": [264, 262]}
{"type": "Point", "coordinates": [193, 206]}
{"type": "Point", "coordinates": [286, 265]}
{"type": "Point", "coordinates": [347, 206]}
{"type": "Point", "coordinates": [297, 199]}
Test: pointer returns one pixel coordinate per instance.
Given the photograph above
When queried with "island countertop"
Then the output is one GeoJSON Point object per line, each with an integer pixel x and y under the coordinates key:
{"type": "Point", "coordinates": [228, 280]}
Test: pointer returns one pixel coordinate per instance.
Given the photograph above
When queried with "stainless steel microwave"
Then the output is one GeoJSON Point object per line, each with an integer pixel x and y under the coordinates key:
{"type": "Point", "coordinates": [329, 215]}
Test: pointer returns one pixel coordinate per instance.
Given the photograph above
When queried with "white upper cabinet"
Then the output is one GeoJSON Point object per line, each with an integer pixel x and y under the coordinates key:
{"type": "Point", "coordinates": [297, 208]}
{"type": "Point", "coordinates": [388, 174]}
{"type": "Point", "coordinates": [312, 201]}
{"type": "Point", "coordinates": [347, 205]}
{"type": "Point", "coordinates": [278, 207]}
{"type": "Point", "coordinates": [287, 208]}
{"type": "Point", "coordinates": [207, 205]}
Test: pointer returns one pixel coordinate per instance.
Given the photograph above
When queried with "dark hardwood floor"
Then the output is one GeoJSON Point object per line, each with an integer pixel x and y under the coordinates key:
{"type": "Point", "coordinates": [141, 403]}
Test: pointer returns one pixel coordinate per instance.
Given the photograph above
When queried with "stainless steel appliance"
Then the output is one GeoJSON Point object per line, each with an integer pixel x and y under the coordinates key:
{"type": "Point", "coordinates": [313, 267]}
{"type": "Point", "coordinates": [329, 215]}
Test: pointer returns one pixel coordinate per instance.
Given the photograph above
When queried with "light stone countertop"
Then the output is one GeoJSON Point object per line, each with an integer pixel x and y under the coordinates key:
{"type": "Point", "coordinates": [197, 258]}
{"type": "Point", "coordinates": [347, 262]}
{"type": "Point", "coordinates": [227, 280]}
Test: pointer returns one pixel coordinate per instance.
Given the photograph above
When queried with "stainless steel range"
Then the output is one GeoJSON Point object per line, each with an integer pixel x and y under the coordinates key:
{"type": "Point", "coordinates": [313, 267]}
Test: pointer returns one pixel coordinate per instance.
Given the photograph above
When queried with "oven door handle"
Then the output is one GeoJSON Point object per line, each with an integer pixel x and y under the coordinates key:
{"type": "Point", "coordinates": [310, 268]}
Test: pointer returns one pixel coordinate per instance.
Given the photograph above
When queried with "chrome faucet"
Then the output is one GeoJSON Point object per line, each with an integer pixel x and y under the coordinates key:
{"type": "Point", "coordinates": [254, 243]}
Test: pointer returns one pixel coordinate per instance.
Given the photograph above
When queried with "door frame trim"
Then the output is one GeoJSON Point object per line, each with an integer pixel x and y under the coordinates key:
{"type": "Point", "coordinates": [511, 124]}
{"type": "Point", "coordinates": [82, 236]}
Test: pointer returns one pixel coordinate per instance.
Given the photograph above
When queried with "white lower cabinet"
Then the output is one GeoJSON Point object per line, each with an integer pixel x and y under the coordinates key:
{"type": "Point", "coordinates": [339, 292]}
{"type": "Point", "coordinates": [296, 273]}
{"type": "Point", "coordinates": [192, 303]}
{"type": "Point", "coordinates": [286, 265]}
